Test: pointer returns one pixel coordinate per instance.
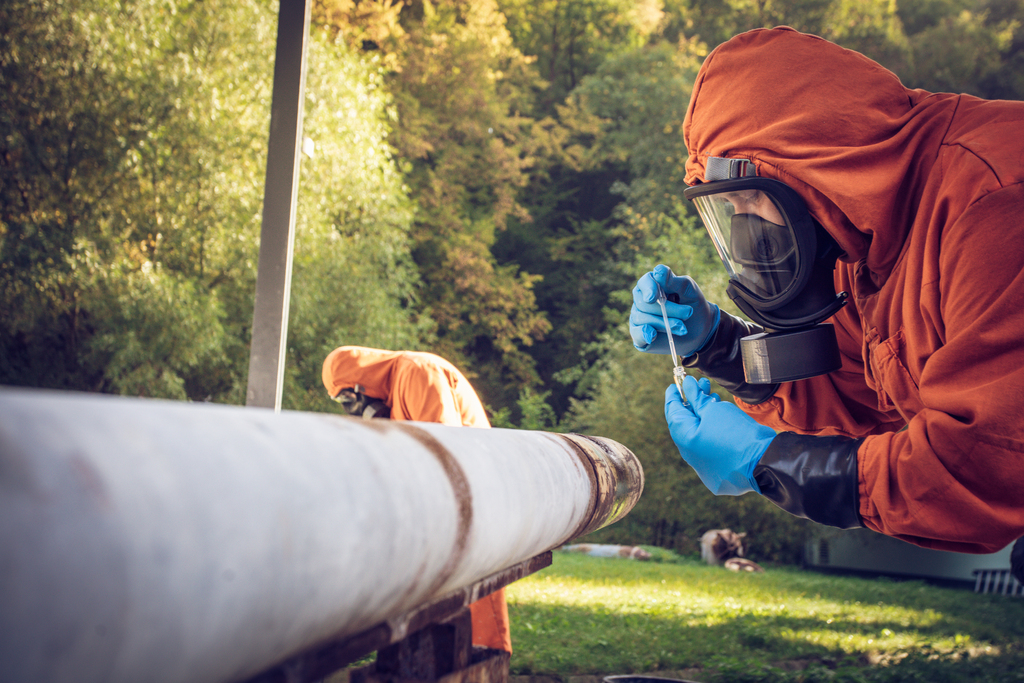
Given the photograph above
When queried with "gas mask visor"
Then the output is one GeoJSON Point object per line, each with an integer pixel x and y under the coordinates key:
{"type": "Point", "coordinates": [358, 404]}
{"type": "Point", "coordinates": [780, 263]}
{"type": "Point", "coordinates": [749, 221]}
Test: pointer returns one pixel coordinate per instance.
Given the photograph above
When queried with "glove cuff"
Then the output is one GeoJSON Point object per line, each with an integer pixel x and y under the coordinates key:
{"type": "Point", "coordinates": [721, 360]}
{"type": "Point", "coordinates": [814, 477]}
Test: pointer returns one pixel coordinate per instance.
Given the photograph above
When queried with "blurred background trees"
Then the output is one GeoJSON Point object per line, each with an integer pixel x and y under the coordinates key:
{"type": "Point", "coordinates": [489, 178]}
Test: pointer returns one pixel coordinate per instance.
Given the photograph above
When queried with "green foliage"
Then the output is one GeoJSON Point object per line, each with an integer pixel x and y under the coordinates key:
{"type": "Point", "coordinates": [640, 98]}
{"type": "Point", "coordinates": [354, 281]}
{"type": "Point", "coordinates": [155, 334]}
{"type": "Point", "coordinates": [973, 46]}
{"type": "Point", "coordinates": [459, 86]}
{"type": "Point", "coordinates": [869, 26]}
{"type": "Point", "coordinates": [127, 134]}
{"type": "Point", "coordinates": [534, 413]}
{"type": "Point", "coordinates": [966, 46]}
{"type": "Point", "coordinates": [684, 619]}
{"type": "Point", "coordinates": [611, 167]}
{"type": "Point", "coordinates": [572, 39]}
{"type": "Point", "coordinates": [134, 151]}
{"type": "Point", "coordinates": [715, 21]}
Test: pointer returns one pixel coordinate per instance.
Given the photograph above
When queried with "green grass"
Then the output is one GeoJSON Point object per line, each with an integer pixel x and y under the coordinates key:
{"type": "Point", "coordinates": [595, 616]}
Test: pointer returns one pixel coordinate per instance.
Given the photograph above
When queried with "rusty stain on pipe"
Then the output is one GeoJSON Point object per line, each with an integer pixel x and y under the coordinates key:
{"type": "Point", "coordinates": [619, 477]}
{"type": "Point", "coordinates": [194, 542]}
{"type": "Point", "coordinates": [460, 490]}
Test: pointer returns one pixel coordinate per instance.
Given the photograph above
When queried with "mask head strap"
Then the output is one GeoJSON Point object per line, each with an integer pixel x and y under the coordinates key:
{"type": "Point", "coordinates": [720, 168]}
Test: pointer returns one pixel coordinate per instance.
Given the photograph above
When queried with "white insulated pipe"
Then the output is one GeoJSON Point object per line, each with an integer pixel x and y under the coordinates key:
{"type": "Point", "coordinates": [147, 540]}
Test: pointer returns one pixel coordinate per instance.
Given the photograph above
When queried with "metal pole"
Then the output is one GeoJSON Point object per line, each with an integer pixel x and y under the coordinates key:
{"type": "Point", "coordinates": [274, 272]}
{"type": "Point", "coordinates": [155, 540]}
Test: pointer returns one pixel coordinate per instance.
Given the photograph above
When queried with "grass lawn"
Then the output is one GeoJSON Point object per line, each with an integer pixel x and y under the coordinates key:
{"type": "Point", "coordinates": [586, 615]}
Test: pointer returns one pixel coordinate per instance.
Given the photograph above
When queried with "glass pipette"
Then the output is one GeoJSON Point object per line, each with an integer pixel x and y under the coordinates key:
{"type": "Point", "coordinates": [678, 371]}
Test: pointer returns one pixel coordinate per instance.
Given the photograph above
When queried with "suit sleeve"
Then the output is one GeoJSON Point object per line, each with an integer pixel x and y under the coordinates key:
{"type": "Point", "coordinates": [953, 479]}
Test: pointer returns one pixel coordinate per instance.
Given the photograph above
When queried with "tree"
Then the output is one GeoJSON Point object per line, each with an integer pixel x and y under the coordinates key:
{"type": "Point", "coordinates": [354, 279]}
{"type": "Point", "coordinates": [872, 28]}
{"type": "Point", "coordinates": [869, 26]}
{"type": "Point", "coordinates": [965, 46]}
{"type": "Point", "coordinates": [189, 205]}
{"type": "Point", "coordinates": [134, 143]}
{"type": "Point", "coordinates": [715, 21]}
{"type": "Point", "coordinates": [460, 90]}
{"type": "Point", "coordinates": [90, 93]}
{"type": "Point", "coordinates": [641, 96]}
{"type": "Point", "coordinates": [614, 166]}
{"type": "Point", "coordinates": [570, 39]}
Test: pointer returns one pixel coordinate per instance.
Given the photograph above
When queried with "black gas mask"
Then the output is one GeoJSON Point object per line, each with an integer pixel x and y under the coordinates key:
{"type": "Point", "coordinates": [357, 403]}
{"type": "Point", "coordinates": [780, 263]}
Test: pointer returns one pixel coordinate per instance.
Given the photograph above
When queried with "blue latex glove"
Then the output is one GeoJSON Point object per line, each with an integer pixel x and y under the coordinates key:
{"type": "Point", "coordinates": [693, 318]}
{"type": "Point", "coordinates": [717, 439]}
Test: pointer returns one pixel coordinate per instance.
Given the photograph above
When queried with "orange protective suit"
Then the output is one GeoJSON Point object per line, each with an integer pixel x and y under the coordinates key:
{"type": "Point", "coordinates": [925, 194]}
{"type": "Point", "coordinates": [424, 388]}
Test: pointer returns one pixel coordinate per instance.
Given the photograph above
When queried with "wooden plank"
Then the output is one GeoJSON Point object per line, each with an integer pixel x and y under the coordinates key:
{"type": "Point", "coordinates": [321, 661]}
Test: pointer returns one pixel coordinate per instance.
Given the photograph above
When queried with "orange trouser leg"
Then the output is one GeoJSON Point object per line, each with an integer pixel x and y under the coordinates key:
{"type": "Point", "coordinates": [490, 622]}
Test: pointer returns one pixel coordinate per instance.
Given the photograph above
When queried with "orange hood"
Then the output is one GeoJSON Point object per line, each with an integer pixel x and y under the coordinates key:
{"type": "Point", "coordinates": [415, 385]}
{"type": "Point", "coordinates": [348, 366]}
{"type": "Point", "coordinates": [772, 96]}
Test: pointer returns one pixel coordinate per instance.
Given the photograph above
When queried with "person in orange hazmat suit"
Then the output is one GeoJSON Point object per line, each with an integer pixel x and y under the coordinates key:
{"type": "Point", "coordinates": [412, 385]}
{"type": "Point", "coordinates": [834, 193]}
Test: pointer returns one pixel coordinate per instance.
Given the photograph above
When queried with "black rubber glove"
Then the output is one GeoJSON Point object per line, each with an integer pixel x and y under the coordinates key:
{"type": "Point", "coordinates": [814, 477]}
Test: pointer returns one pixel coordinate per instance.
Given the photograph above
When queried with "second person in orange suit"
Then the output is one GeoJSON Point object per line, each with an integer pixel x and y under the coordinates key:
{"type": "Point", "coordinates": [423, 387]}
